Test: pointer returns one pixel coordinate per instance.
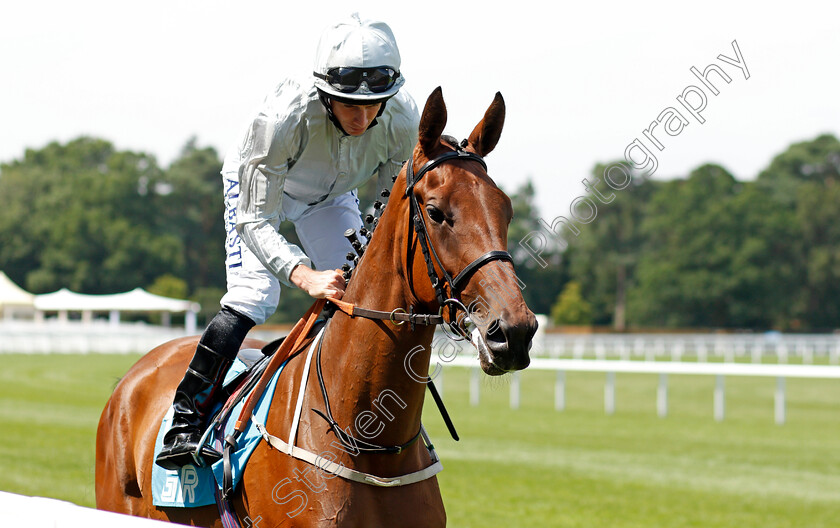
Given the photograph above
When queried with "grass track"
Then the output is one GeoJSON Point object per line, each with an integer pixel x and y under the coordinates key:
{"type": "Point", "coordinates": [533, 467]}
{"type": "Point", "coordinates": [582, 468]}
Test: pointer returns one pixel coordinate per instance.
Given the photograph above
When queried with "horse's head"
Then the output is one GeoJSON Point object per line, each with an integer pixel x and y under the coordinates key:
{"type": "Point", "coordinates": [458, 236]}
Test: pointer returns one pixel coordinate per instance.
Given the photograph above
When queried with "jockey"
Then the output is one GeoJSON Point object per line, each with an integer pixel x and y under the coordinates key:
{"type": "Point", "coordinates": [313, 143]}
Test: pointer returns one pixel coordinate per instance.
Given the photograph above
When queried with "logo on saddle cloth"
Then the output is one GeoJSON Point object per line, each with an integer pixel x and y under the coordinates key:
{"type": "Point", "coordinates": [193, 486]}
{"type": "Point", "coordinates": [180, 488]}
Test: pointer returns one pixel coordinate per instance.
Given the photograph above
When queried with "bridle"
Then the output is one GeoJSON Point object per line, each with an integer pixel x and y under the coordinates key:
{"type": "Point", "coordinates": [418, 224]}
{"type": "Point", "coordinates": [399, 316]}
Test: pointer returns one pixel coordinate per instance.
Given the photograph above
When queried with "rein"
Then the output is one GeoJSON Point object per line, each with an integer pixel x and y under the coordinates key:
{"type": "Point", "coordinates": [397, 316]}
{"type": "Point", "coordinates": [351, 443]}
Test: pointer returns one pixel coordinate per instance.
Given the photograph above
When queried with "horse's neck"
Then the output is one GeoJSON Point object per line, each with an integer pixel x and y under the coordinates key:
{"type": "Point", "coordinates": [367, 359]}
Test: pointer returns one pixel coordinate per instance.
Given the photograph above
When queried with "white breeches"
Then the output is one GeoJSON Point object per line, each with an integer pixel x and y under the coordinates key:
{"type": "Point", "coordinates": [253, 291]}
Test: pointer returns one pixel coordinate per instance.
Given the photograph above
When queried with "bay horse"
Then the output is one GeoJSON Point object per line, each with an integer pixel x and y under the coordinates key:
{"type": "Point", "coordinates": [439, 247]}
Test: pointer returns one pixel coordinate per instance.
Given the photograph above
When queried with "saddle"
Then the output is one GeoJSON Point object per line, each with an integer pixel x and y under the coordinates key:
{"type": "Point", "coordinates": [255, 361]}
{"type": "Point", "coordinates": [201, 485]}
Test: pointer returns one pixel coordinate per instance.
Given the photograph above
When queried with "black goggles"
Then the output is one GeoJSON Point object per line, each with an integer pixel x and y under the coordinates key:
{"type": "Point", "coordinates": [348, 80]}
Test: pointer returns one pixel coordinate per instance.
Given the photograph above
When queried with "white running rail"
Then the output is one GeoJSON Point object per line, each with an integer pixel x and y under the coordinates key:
{"type": "Point", "coordinates": [662, 368]}
{"type": "Point", "coordinates": [36, 512]}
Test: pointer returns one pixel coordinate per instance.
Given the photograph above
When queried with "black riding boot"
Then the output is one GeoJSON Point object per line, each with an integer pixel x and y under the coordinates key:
{"type": "Point", "coordinates": [195, 395]}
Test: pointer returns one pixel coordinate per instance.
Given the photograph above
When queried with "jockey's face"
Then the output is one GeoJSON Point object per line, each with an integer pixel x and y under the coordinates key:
{"type": "Point", "coordinates": [355, 119]}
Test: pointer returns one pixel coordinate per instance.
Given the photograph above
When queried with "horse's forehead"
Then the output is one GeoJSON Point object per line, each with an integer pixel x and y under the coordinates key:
{"type": "Point", "coordinates": [463, 184]}
{"type": "Point", "coordinates": [452, 176]}
{"type": "Point", "coordinates": [456, 175]}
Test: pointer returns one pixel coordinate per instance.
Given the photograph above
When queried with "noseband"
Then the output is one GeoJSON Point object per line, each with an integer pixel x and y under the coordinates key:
{"type": "Point", "coordinates": [418, 223]}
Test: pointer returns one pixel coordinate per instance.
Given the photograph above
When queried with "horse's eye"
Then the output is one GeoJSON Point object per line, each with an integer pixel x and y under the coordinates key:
{"type": "Point", "coordinates": [435, 214]}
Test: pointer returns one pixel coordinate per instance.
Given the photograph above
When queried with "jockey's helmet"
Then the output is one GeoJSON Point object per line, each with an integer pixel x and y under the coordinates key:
{"type": "Point", "coordinates": [358, 62]}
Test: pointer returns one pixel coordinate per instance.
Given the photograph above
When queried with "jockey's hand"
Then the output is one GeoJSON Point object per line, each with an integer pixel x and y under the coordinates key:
{"type": "Point", "coordinates": [318, 284]}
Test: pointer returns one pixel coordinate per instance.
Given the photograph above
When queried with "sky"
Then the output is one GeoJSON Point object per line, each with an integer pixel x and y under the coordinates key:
{"type": "Point", "coordinates": [581, 81]}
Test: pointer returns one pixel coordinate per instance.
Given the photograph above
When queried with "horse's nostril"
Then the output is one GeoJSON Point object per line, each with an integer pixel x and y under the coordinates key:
{"type": "Point", "coordinates": [508, 345]}
{"type": "Point", "coordinates": [495, 335]}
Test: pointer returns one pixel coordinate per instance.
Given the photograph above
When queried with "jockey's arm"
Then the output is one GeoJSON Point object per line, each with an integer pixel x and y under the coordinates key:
{"type": "Point", "coordinates": [263, 167]}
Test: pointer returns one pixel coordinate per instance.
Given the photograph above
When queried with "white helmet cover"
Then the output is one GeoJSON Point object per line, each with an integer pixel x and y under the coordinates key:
{"type": "Point", "coordinates": [357, 43]}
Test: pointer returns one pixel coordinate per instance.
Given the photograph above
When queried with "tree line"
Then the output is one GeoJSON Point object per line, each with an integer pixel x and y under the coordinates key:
{"type": "Point", "coordinates": [709, 251]}
{"type": "Point", "coordinates": [704, 251]}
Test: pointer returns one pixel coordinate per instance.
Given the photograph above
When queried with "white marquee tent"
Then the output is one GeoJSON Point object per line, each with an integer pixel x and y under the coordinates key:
{"type": "Point", "coordinates": [137, 300]}
{"type": "Point", "coordinates": [14, 300]}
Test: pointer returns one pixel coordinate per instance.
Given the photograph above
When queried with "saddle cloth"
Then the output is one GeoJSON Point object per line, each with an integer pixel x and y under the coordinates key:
{"type": "Point", "coordinates": [192, 486]}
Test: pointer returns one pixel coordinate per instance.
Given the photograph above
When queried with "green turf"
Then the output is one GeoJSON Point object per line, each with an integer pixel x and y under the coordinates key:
{"type": "Point", "coordinates": [532, 467]}
{"type": "Point", "coordinates": [49, 409]}
{"type": "Point", "coordinates": [581, 468]}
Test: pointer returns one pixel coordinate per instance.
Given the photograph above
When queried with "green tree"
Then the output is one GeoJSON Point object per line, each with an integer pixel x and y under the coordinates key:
{"type": "Point", "coordinates": [542, 284]}
{"type": "Point", "coordinates": [804, 181]}
{"type": "Point", "coordinates": [208, 299]}
{"type": "Point", "coordinates": [84, 216]}
{"type": "Point", "coordinates": [193, 209]}
{"type": "Point", "coordinates": [814, 161]}
{"type": "Point", "coordinates": [608, 248]}
{"type": "Point", "coordinates": [716, 254]}
{"type": "Point", "coordinates": [169, 286]}
{"type": "Point", "coordinates": [571, 308]}
{"type": "Point", "coordinates": [817, 251]}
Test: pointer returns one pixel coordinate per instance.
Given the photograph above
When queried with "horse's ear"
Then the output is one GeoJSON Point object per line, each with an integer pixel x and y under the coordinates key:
{"type": "Point", "coordinates": [432, 121]}
{"type": "Point", "coordinates": [486, 134]}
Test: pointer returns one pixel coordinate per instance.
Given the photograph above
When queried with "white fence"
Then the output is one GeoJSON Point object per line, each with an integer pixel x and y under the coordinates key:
{"type": "Point", "coordinates": [662, 368]}
{"type": "Point", "coordinates": [76, 338]}
{"type": "Point", "coordinates": [125, 338]}
{"type": "Point", "coordinates": [39, 512]}
{"type": "Point", "coordinates": [708, 354]}
{"type": "Point", "coordinates": [700, 347]}
{"type": "Point", "coordinates": [99, 337]}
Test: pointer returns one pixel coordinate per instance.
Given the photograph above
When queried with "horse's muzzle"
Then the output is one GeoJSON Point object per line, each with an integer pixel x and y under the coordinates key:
{"type": "Point", "coordinates": [508, 341]}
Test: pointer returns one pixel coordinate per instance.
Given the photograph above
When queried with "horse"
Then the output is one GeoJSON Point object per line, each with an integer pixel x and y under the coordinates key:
{"type": "Point", "coordinates": [437, 256]}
